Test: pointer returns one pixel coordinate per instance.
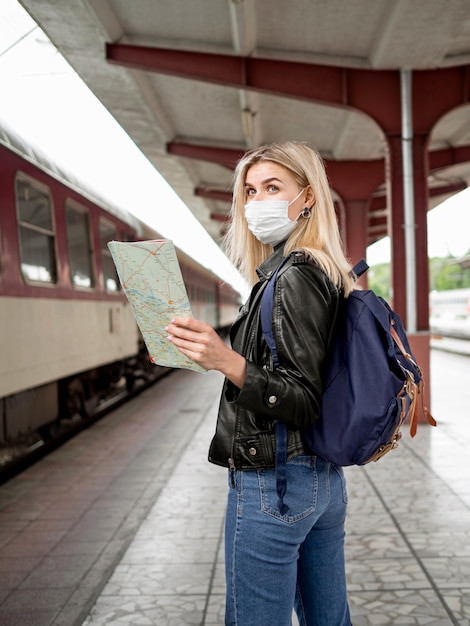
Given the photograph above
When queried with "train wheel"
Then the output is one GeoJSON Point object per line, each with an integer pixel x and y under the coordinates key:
{"type": "Point", "coordinates": [130, 383]}
{"type": "Point", "coordinates": [74, 402]}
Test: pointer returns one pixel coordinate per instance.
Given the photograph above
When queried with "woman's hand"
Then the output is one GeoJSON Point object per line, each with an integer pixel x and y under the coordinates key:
{"type": "Point", "coordinates": [200, 342]}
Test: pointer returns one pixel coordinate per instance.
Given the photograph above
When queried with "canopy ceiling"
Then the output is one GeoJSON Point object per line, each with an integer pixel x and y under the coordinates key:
{"type": "Point", "coordinates": [191, 114]}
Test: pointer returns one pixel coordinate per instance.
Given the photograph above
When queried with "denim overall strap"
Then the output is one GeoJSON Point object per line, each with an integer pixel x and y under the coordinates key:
{"type": "Point", "coordinates": [266, 314]}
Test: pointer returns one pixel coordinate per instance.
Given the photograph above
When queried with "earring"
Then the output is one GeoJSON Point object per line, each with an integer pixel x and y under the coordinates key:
{"type": "Point", "coordinates": [306, 213]}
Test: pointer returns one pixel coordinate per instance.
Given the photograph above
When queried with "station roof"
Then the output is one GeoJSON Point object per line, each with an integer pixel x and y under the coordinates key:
{"type": "Point", "coordinates": [195, 84]}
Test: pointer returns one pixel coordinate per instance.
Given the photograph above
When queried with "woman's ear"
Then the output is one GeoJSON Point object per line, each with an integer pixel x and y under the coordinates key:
{"type": "Point", "coordinates": [309, 198]}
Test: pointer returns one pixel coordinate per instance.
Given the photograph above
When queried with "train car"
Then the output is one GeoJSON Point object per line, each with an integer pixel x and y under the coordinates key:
{"type": "Point", "coordinates": [450, 313]}
{"type": "Point", "coordinates": [67, 333]}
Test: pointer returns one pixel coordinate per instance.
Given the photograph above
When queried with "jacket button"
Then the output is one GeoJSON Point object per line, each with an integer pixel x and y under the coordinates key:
{"type": "Point", "coordinates": [252, 451]}
{"type": "Point", "coordinates": [272, 399]}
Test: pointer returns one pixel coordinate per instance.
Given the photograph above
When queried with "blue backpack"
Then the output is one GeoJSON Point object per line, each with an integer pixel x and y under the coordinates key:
{"type": "Point", "coordinates": [371, 385]}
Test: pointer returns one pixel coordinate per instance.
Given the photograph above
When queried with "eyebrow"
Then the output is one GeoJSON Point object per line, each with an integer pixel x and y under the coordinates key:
{"type": "Point", "coordinates": [265, 181]}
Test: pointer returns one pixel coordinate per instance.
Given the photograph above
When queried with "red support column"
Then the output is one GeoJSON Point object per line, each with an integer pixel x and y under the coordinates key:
{"type": "Point", "coordinates": [420, 173]}
{"type": "Point", "coordinates": [354, 182]}
{"type": "Point", "coordinates": [419, 341]}
{"type": "Point", "coordinates": [420, 170]}
{"type": "Point", "coordinates": [356, 229]}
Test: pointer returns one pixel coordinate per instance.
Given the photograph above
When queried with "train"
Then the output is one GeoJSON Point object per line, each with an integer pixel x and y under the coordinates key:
{"type": "Point", "coordinates": [450, 313]}
{"type": "Point", "coordinates": [68, 336]}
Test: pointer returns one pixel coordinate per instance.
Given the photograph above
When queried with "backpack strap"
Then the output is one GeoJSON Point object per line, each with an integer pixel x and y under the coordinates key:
{"type": "Point", "coordinates": [266, 316]}
{"type": "Point", "coordinates": [266, 312]}
{"type": "Point", "coordinates": [360, 268]}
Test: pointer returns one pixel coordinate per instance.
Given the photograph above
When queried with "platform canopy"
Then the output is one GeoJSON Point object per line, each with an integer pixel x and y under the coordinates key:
{"type": "Point", "coordinates": [197, 82]}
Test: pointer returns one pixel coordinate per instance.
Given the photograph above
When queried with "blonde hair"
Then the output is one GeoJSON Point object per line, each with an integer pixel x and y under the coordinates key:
{"type": "Point", "coordinates": [318, 236]}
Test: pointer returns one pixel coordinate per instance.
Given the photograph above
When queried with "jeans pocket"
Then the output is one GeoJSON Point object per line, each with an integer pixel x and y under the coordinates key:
{"type": "Point", "coordinates": [340, 472]}
{"type": "Point", "coordinates": [302, 490]}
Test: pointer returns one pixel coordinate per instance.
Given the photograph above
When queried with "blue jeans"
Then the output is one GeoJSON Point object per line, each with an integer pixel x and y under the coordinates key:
{"type": "Point", "coordinates": [274, 563]}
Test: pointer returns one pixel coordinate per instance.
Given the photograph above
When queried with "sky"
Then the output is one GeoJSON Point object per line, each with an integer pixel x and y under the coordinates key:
{"type": "Point", "coordinates": [42, 98]}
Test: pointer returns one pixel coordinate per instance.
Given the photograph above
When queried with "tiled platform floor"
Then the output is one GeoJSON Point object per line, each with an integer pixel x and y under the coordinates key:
{"type": "Point", "coordinates": [124, 525]}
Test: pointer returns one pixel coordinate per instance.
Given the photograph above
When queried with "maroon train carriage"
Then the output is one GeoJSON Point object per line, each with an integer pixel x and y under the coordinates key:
{"type": "Point", "coordinates": [67, 334]}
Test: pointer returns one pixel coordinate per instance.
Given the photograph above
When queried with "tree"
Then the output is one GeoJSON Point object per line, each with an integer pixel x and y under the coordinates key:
{"type": "Point", "coordinates": [445, 273]}
{"type": "Point", "coordinates": [449, 273]}
{"type": "Point", "coordinates": [378, 279]}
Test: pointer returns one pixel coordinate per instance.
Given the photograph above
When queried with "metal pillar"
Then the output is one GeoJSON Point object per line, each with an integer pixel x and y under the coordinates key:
{"type": "Point", "coordinates": [408, 199]}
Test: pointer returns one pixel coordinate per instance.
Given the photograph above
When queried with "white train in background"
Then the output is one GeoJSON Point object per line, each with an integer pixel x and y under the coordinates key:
{"type": "Point", "coordinates": [449, 313]}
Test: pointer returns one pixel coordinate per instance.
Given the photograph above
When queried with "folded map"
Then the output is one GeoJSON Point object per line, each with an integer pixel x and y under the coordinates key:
{"type": "Point", "coordinates": [151, 278]}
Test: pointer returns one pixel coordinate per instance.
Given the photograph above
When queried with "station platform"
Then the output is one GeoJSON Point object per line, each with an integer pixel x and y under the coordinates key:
{"type": "Point", "coordinates": [123, 525]}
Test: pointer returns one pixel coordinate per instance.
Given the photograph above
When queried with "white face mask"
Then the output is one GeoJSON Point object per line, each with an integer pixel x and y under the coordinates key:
{"type": "Point", "coordinates": [269, 220]}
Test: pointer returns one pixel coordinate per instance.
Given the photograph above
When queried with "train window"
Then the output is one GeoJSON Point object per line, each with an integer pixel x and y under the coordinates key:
{"type": "Point", "coordinates": [36, 231]}
{"type": "Point", "coordinates": [79, 246]}
{"type": "Point", "coordinates": [108, 233]}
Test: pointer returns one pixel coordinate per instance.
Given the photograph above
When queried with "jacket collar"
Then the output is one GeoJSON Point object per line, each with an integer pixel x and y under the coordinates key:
{"type": "Point", "coordinates": [269, 266]}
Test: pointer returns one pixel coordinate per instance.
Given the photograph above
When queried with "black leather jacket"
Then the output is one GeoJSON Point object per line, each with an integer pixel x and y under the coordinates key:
{"type": "Point", "coordinates": [304, 312]}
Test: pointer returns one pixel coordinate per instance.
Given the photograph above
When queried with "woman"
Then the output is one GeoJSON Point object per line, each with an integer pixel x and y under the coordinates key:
{"type": "Point", "coordinates": [274, 560]}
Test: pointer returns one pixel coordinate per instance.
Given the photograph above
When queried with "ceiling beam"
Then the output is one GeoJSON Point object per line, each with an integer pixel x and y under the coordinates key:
{"type": "Point", "coordinates": [374, 92]}
{"type": "Point", "coordinates": [220, 217]}
{"type": "Point", "coordinates": [226, 157]}
{"type": "Point", "coordinates": [445, 190]}
{"type": "Point", "coordinates": [212, 193]}
{"type": "Point", "coordinates": [363, 187]}
{"type": "Point", "coordinates": [354, 180]}
{"type": "Point", "coordinates": [445, 157]}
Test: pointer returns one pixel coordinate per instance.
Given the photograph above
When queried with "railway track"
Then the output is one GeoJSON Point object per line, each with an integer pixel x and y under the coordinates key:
{"type": "Point", "coordinates": [17, 456]}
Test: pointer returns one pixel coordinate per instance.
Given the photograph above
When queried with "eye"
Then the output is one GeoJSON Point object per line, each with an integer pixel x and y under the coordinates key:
{"type": "Point", "coordinates": [249, 191]}
{"type": "Point", "coordinates": [273, 188]}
